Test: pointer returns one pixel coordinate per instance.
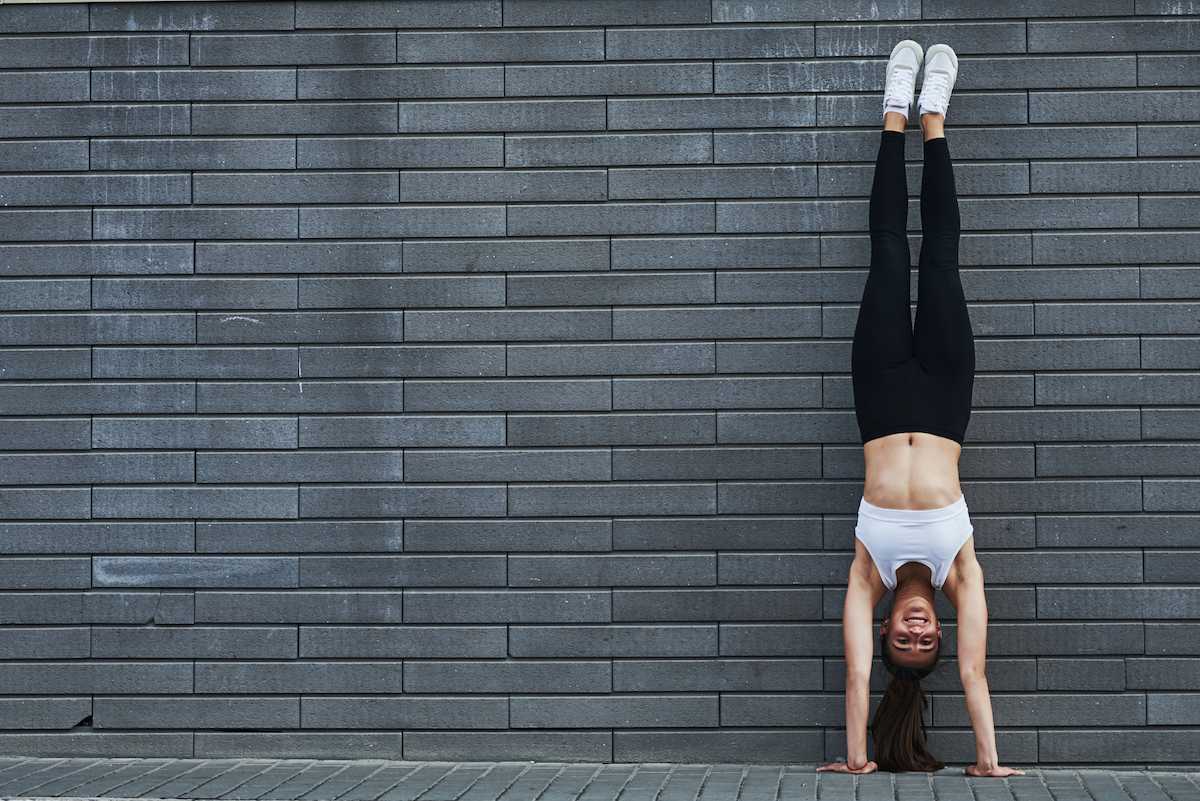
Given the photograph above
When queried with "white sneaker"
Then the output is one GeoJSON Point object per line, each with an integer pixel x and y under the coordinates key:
{"type": "Point", "coordinates": [902, 69]}
{"type": "Point", "coordinates": [940, 71]}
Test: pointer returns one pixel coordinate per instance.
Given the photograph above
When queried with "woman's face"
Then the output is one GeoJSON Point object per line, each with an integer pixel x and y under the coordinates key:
{"type": "Point", "coordinates": [912, 632]}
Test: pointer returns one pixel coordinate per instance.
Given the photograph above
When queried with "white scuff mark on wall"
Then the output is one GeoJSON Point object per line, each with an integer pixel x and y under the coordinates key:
{"type": "Point", "coordinates": [241, 317]}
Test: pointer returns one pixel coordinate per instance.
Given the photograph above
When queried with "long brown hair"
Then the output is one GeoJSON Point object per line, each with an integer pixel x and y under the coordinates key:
{"type": "Point", "coordinates": [899, 722]}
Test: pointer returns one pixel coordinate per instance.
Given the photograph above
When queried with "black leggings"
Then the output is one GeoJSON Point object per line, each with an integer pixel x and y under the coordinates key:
{"type": "Point", "coordinates": [913, 377]}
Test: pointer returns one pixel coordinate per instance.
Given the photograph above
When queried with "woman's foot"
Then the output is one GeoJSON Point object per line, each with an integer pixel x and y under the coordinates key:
{"type": "Point", "coordinates": [941, 68]}
{"type": "Point", "coordinates": [900, 88]}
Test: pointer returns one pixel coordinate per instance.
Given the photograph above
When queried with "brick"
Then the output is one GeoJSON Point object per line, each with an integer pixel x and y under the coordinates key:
{"type": "Point", "coordinates": [715, 41]}
{"type": "Point", "coordinates": [402, 571]}
{"type": "Point", "coordinates": [45, 434]}
{"type": "Point", "coordinates": [297, 257]}
{"type": "Point", "coordinates": [771, 428]}
{"type": "Point", "coordinates": [1160, 674]}
{"type": "Point", "coordinates": [716, 604]}
{"type": "Point", "coordinates": [1168, 495]}
{"type": "Point", "coordinates": [585, 746]}
{"type": "Point", "coordinates": [44, 504]}
{"type": "Point", "coordinates": [1055, 496]}
{"type": "Point", "coordinates": [1165, 7]}
{"type": "Point", "coordinates": [716, 675]}
{"type": "Point", "coordinates": [288, 397]}
{"type": "Point", "coordinates": [878, 39]}
{"type": "Point", "coordinates": [615, 711]}
{"type": "Point", "coordinates": [505, 186]}
{"type": "Point", "coordinates": [295, 745]}
{"type": "Point", "coordinates": [44, 155]}
{"type": "Point", "coordinates": [145, 608]}
{"type": "Point", "coordinates": [193, 571]}
{"type": "Point", "coordinates": [159, 363]}
{"type": "Point", "coordinates": [711, 182]}
{"type": "Point", "coordinates": [297, 677]}
{"type": "Point", "coordinates": [854, 180]}
{"type": "Point", "coordinates": [56, 19]}
{"type": "Point", "coordinates": [97, 329]}
{"type": "Point", "coordinates": [193, 293]}
{"type": "Point", "coordinates": [607, 12]}
{"type": "Point", "coordinates": [194, 432]}
{"type": "Point", "coordinates": [782, 710]}
{"type": "Point", "coordinates": [995, 355]}
{"type": "Point", "coordinates": [788, 147]}
{"type": "Point", "coordinates": [604, 289]}
{"type": "Point", "coordinates": [1103, 675]}
{"type": "Point", "coordinates": [949, 9]}
{"type": "Point", "coordinates": [464, 536]}
{"type": "Point", "coordinates": [380, 83]}
{"type": "Point", "coordinates": [424, 712]}
{"type": "Point", "coordinates": [727, 533]}
{"type": "Point", "coordinates": [1112, 745]}
{"type": "Point", "coordinates": [712, 112]}
{"type": "Point", "coordinates": [88, 538]}
{"type": "Point", "coordinates": [1120, 603]}
{"type": "Point", "coordinates": [199, 713]}
{"type": "Point", "coordinates": [1113, 35]}
{"type": "Point", "coordinates": [1051, 72]}
{"type": "Point", "coordinates": [44, 643]}
{"type": "Point", "coordinates": [95, 468]}
{"type": "Point", "coordinates": [16, 226]}
{"type": "Point", "coordinates": [210, 50]}
{"type": "Point", "coordinates": [191, 154]}
{"type": "Point", "coordinates": [508, 677]}
{"type": "Point", "coordinates": [45, 295]}
{"type": "Point", "coordinates": [502, 115]}
{"type": "Point", "coordinates": [300, 536]}
{"type": "Point", "coordinates": [1040, 710]}
{"type": "Point", "coordinates": [407, 152]}
{"type": "Point", "coordinates": [1143, 459]}
{"type": "Point", "coordinates": [613, 640]}
{"type": "Point", "coordinates": [514, 255]}
{"type": "Point", "coordinates": [1168, 423]}
{"type": "Point", "coordinates": [1161, 106]}
{"type": "Point", "coordinates": [198, 642]}
{"type": "Point", "coordinates": [715, 463]}
{"type": "Point", "coordinates": [508, 465]}
{"type": "Point", "coordinates": [94, 190]}
{"type": "Point", "coordinates": [708, 747]}
{"type": "Point", "coordinates": [56, 573]}
{"type": "Point", "coordinates": [611, 429]}
{"type": "Point", "coordinates": [414, 500]}
{"type": "Point", "coordinates": [614, 570]}
{"type": "Point", "coordinates": [173, 745]}
{"type": "Point", "coordinates": [761, 322]}
{"type": "Point", "coordinates": [418, 361]}
{"type": "Point", "coordinates": [607, 149]}
{"type": "Point", "coordinates": [305, 187]}
{"type": "Point", "coordinates": [1175, 709]}
{"type": "Point", "coordinates": [614, 359]}
{"type": "Point", "coordinates": [1171, 638]}
{"type": "Point", "coordinates": [784, 497]}
{"type": "Point", "coordinates": [64, 678]}
{"type": "Point", "coordinates": [1061, 531]}
{"type": "Point", "coordinates": [96, 398]}
{"type": "Point", "coordinates": [295, 607]}
{"type": "Point", "coordinates": [293, 118]}
{"type": "Point", "coordinates": [1168, 353]}
{"type": "Point", "coordinates": [96, 259]}
{"type": "Point", "coordinates": [191, 502]}
{"type": "Point", "coordinates": [1115, 247]}
{"type": "Point", "coordinates": [509, 325]}
{"type": "Point", "coordinates": [424, 47]}
{"type": "Point", "coordinates": [1168, 140]}
{"type": "Point", "coordinates": [405, 14]}
{"type": "Point", "coordinates": [403, 642]}
{"type": "Point", "coordinates": [300, 327]}
{"type": "Point", "coordinates": [807, 10]}
{"type": "Point", "coordinates": [733, 77]}
{"type": "Point", "coordinates": [782, 568]}
{"type": "Point", "coordinates": [1050, 284]}
{"type": "Point", "coordinates": [410, 431]}
{"type": "Point", "coordinates": [508, 395]}
{"type": "Point", "coordinates": [1168, 282]}
{"type": "Point", "coordinates": [1116, 567]}
{"type": "Point", "coordinates": [715, 252]}
{"type": "Point", "coordinates": [238, 466]}
{"type": "Point", "coordinates": [715, 393]}
{"type": "Point", "coordinates": [1165, 212]}
{"type": "Point", "coordinates": [1112, 176]}
{"type": "Point", "coordinates": [209, 223]}
{"type": "Point", "coordinates": [1065, 639]}
{"type": "Point", "coordinates": [95, 120]}
{"type": "Point", "coordinates": [263, 15]}
{"type": "Point", "coordinates": [168, 85]}
{"type": "Point", "coordinates": [605, 499]}
{"type": "Point", "coordinates": [45, 87]}
{"type": "Point", "coordinates": [402, 221]}
{"type": "Point", "coordinates": [507, 606]}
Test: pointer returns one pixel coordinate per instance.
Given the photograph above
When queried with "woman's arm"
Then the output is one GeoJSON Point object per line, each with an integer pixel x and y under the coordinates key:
{"type": "Point", "coordinates": [862, 595]}
{"type": "Point", "coordinates": [972, 656]}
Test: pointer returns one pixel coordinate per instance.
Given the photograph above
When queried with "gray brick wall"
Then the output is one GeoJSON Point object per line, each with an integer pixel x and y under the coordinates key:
{"type": "Point", "coordinates": [468, 379]}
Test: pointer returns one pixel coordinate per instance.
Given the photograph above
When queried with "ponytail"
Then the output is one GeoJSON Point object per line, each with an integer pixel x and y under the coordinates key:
{"type": "Point", "coordinates": [899, 722]}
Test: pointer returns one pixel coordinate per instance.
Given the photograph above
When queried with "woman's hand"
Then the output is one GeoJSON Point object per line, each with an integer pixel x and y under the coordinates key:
{"type": "Point", "coordinates": [844, 767]}
{"type": "Point", "coordinates": [993, 770]}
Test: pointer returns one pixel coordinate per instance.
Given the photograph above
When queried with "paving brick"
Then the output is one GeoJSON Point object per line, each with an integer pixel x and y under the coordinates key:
{"type": "Point", "coordinates": [1063, 531]}
{"type": "Point", "coordinates": [1115, 745]}
{"type": "Point", "coordinates": [1112, 176]}
{"type": "Point", "coordinates": [808, 10]}
{"type": "Point", "coordinates": [715, 463]}
{"type": "Point", "coordinates": [95, 120]}
{"type": "Point", "coordinates": [210, 50]}
{"type": "Point", "coordinates": [585, 746]}
{"type": "Point", "coordinates": [1055, 496]}
{"type": "Point", "coordinates": [410, 431]}
{"type": "Point", "coordinates": [725, 533]}
{"type": "Point", "coordinates": [466, 536]}
{"type": "Point", "coordinates": [1165, 212]}
{"type": "Point", "coordinates": [615, 711]}
{"type": "Point", "coordinates": [88, 538]}
{"type": "Point", "coordinates": [615, 570]}
{"type": "Point", "coordinates": [508, 677]}
{"type": "Point", "coordinates": [304, 187]}
{"type": "Point", "coordinates": [295, 745]}
{"type": "Point", "coordinates": [55, 573]}
{"type": "Point", "coordinates": [97, 329]}
{"type": "Point", "coordinates": [159, 363]}
{"type": "Point", "coordinates": [207, 223]}
{"type": "Point", "coordinates": [1113, 35]}
{"type": "Point", "coordinates": [949, 9]}
{"type": "Point", "coordinates": [193, 571]}
{"type": "Point", "coordinates": [715, 747]}
{"type": "Point", "coordinates": [194, 432]}
{"type": "Point", "coordinates": [96, 398]}
{"type": "Point", "coordinates": [712, 112]}
{"type": "Point", "coordinates": [607, 12]}
{"type": "Point", "coordinates": [782, 710]}
{"type": "Point", "coordinates": [95, 468]}
{"type": "Point", "coordinates": [193, 293]}
{"type": "Point", "coordinates": [56, 19]}
{"type": "Point", "coordinates": [425, 712]}
{"type": "Point", "coordinates": [45, 643]}
{"type": "Point", "coordinates": [45, 295]}
{"type": "Point", "coordinates": [1111, 567]}
{"type": "Point", "coordinates": [716, 604]}
{"type": "Point", "coordinates": [505, 186]}
{"type": "Point", "coordinates": [995, 355]}
{"type": "Point", "coordinates": [95, 190]}
{"type": "Point", "coordinates": [167, 85]}
{"type": "Point", "coordinates": [1169, 495]}
{"type": "Point", "coordinates": [44, 504]}
{"type": "Point", "coordinates": [614, 359]}
{"type": "Point", "coordinates": [199, 713]}
{"type": "Point", "coordinates": [145, 608]}
{"type": "Point", "coordinates": [611, 429]}
{"type": "Point", "coordinates": [402, 221]}
{"type": "Point", "coordinates": [172, 745]}
{"type": "Point", "coordinates": [406, 14]}
{"type": "Point", "coordinates": [300, 327]}
{"type": "Point", "coordinates": [16, 226]}
{"type": "Point", "coordinates": [1160, 674]}
{"type": "Point", "coordinates": [715, 253]}
{"type": "Point", "coordinates": [300, 536]}
{"type": "Point", "coordinates": [44, 155]}
{"type": "Point", "coordinates": [733, 77]}
{"type": "Point", "coordinates": [418, 361]}
{"type": "Point", "coordinates": [1168, 140]}
{"type": "Point", "coordinates": [199, 642]}
{"type": "Point", "coordinates": [711, 182]}
{"type": "Point", "coordinates": [716, 675]}
{"type": "Point", "coordinates": [296, 607]}
{"type": "Point", "coordinates": [715, 393]}
{"type": "Point", "coordinates": [240, 466]}
{"type": "Point", "coordinates": [1065, 639]}
{"type": "Point", "coordinates": [403, 642]}
{"type": "Point", "coordinates": [515, 255]}
{"type": "Point", "coordinates": [785, 427]}
{"type": "Point", "coordinates": [95, 259]}
{"type": "Point", "coordinates": [1114, 247]}
{"type": "Point", "coordinates": [609, 288]}
{"type": "Point", "coordinates": [293, 118]}
{"type": "Point", "coordinates": [386, 83]}
{"type": "Point", "coordinates": [194, 154]}
{"type": "Point", "coordinates": [509, 325]}
{"type": "Point", "coordinates": [1117, 460]}
{"type": "Point", "coordinates": [1103, 675]}
{"type": "Point", "coordinates": [191, 502]}
{"type": "Point", "coordinates": [402, 571]}
{"type": "Point", "coordinates": [507, 606]}
{"type": "Point", "coordinates": [297, 257]}
{"type": "Point", "coordinates": [1167, 282]}
{"type": "Point", "coordinates": [543, 500]}
{"type": "Point", "coordinates": [482, 46]}
{"type": "Point", "coordinates": [508, 395]}
{"type": "Point", "coordinates": [508, 465]}
{"type": "Point", "coordinates": [1168, 423]}
{"type": "Point", "coordinates": [1168, 353]}
{"type": "Point", "coordinates": [289, 397]}
{"type": "Point", "coordinates": [64, 678]}
{"type": "Point", "coordinates": [1125, 603]}
{"type": "Point", "coordinates": [45, 87]}
{"type": "Point", "coordinates": [1171, 105]}
{"type": "Point", "coordinates": [263, 15]}
{"type": "Point", "coordinates": [502, 115]}
{"type": "Point", "coordinates": [878, 39]}
{"type": "Point", "coordinates": [607, 149]}
{"type": "Point", "coordinates": [413, 500]}
{"type": "Point", "coordinates": [264, 678]}
{"type": "Point", "coordinates": [613, 641]}
{"type": "Point", "coordinates": [401, 153]}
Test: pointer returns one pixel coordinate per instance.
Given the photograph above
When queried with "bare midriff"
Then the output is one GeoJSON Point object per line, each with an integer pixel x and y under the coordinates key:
{"type": "Point", "coordinates": [912, 471]}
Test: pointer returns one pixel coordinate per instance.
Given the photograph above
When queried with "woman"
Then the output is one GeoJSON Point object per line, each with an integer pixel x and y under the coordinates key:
{"type": "Point", "coordinates": [912, 393]}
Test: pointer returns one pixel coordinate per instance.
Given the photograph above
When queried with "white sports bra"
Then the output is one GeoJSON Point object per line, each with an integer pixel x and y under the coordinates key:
{"type": "Point", "coordinates": [932, 537]}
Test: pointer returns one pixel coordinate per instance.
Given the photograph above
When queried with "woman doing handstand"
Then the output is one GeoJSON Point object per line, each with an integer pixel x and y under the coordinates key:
{"type": "Point", "coordinates": [912, 394]}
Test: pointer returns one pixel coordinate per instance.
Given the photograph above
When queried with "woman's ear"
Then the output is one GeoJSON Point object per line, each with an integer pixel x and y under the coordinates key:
{"type": "Point", "coordinates": [884, 627]}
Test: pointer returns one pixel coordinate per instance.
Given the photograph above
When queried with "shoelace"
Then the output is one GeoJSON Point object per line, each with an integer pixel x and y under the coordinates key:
{"type": "Point", "coordinates": [900, 88]}
{"type": "Point", "coordinates": [935, 92]}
